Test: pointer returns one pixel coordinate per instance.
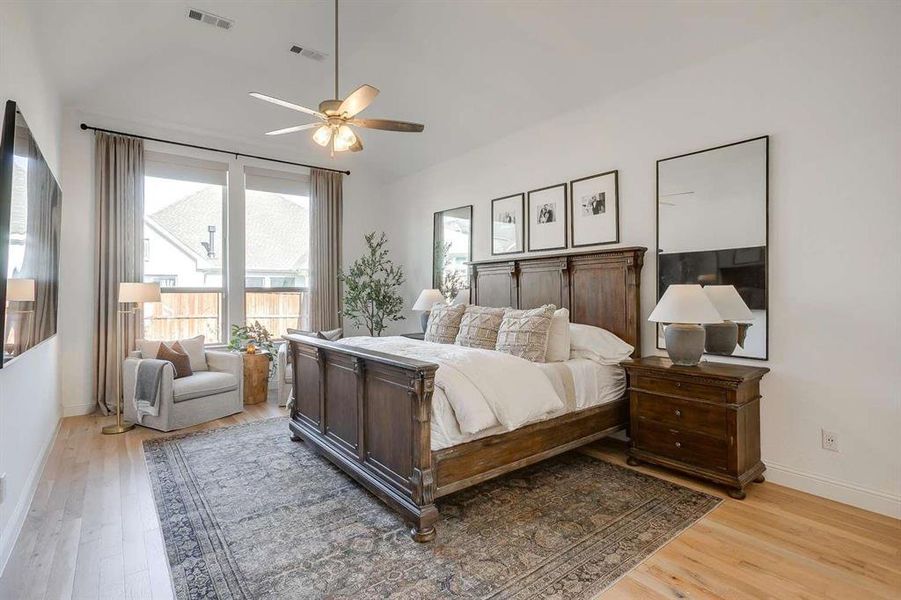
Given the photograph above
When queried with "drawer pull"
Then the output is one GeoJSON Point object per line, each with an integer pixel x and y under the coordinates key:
{"type": "Point", "coordinates": [678, 412]}
{"type": "Point", "coordinates": [678, 444]}
{"type": "Point", "coordinates": [678, 384]}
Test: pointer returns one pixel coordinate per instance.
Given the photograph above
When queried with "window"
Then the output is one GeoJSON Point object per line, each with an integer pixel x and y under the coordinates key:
{"type": "Point", "coordinates": [183, 223]}
{"type": "Point", "coordinates": [276, 250]}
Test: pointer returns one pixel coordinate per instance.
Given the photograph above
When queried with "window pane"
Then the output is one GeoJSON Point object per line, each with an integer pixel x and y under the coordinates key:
{"type": "Point", "coordinates": [183, 315]}
{"type": "Point", "coordinates": [279, 310]}
{"type": "Point", "coordinates": [277, 240]}
{"type": "Point", "coordinates": [183, 232]}
{"type": "Point", "coordinates": [183, 248]}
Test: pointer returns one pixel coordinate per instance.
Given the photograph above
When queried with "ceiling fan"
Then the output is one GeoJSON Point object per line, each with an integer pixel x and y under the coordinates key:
{"type": "Point", "coordinates": [337, 116]}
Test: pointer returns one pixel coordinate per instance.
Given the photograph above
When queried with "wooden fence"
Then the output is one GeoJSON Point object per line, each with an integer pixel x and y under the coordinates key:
{"type": "Point", "coordinates": [186, 314]}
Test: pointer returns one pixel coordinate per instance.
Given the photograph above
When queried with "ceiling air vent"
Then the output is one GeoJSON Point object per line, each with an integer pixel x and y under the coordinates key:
{"type": "Point", "coordinates": [309, 53]}
{"type": "Point", "coordinates": [210, 19]}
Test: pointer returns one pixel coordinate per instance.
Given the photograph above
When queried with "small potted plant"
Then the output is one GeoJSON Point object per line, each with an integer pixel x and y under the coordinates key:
{"type": "Point", "coordinates": [253, 339]}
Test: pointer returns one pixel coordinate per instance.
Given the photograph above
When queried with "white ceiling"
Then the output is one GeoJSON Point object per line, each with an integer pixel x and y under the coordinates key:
{"type": "Point", "coordinates": [471, 71]}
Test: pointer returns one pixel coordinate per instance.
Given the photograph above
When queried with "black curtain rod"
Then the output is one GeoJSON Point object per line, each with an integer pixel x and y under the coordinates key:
{"type": "Point", "coordinates": [235, 154]}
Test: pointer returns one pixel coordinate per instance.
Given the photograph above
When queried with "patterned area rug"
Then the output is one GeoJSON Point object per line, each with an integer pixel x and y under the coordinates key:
{"type": "Point", "coordinates": [246, 513]}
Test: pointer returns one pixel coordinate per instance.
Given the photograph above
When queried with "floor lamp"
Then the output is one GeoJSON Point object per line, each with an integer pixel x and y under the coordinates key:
{"type": "Point", "coordinates": [130, 295]}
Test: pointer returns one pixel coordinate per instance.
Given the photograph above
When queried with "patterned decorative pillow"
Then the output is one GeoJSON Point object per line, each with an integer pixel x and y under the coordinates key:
{"type": "Point", "coordinates": [479, 326]}
{"type": "Point", "coordinates": [444, 323]}
{"type": "Point", "coordinates": [524, 333]}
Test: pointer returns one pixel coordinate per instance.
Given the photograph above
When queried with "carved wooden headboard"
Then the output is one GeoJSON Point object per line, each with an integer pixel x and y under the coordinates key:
{"type": "Point", "coordinates": [600, 288]}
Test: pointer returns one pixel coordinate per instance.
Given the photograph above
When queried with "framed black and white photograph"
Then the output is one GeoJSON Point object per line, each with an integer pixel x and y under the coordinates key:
{"type": "Point", "coordinates": [594, 206]}
{"type": "Point", "coordinates": [507, 224]}
{"type": "Point", "coordinates": [547, 218]}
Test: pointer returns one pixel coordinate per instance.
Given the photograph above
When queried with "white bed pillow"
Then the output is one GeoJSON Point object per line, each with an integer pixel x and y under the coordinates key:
{"type": "Point", "coordinates": [558, 340]}
{"type": "Point", "coordinates": [193, 347]}
{"type": "Point", "coordinates": [597, 344]}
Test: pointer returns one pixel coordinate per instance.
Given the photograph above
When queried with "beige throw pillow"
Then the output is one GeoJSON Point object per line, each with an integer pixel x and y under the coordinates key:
{"type": "Point", "coordinates": [524, 333]}
{"type": "Point", "coordinates": [479, 326]}
{"type": "Point", "coordinates": [444, 323]}
{"type": "Point", "coordinates": [193, 347]}
{"type": "Point", "coordinates": [558, 340]}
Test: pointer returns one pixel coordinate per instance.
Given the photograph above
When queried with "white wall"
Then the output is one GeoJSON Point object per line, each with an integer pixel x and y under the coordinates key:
{"type": "Point", "coordinates": [828, 92]}
{"type": "Point", "coordinates": [362, 193]}
{"type": "Point", "coordinates": [29, 385]}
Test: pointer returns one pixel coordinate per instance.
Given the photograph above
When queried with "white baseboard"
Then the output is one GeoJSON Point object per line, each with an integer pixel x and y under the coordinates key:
{"type": "Point", "coordinates": [77, 410]}
{"type": "Point", "coordinates": [840, 491]}
{"type": "Point", "coordinates": [20, 512]}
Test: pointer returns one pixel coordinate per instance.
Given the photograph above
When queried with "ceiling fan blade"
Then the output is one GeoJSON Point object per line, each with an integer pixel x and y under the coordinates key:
{"type": "Point", "coordinates": [358, 145]}
{"type": "Point", "coordinates": [388, 125]}
{"type": "Point", "coordinates": [358, 100]}
{"type": "Point", "coordinates": [293, 129]}
{"type": "Point", "coordinates": [286, 104]}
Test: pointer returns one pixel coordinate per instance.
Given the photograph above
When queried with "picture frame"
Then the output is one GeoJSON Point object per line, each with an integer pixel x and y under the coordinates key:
{"type": "Point", "coordinates": [548, 218]}
{"type": "Point", "coordinates": [508, 224]}
{"type": "Point", "coordinates": [594, 210]}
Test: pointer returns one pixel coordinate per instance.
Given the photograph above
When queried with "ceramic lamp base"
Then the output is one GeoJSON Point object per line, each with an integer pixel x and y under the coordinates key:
{"type": "Point", "coordinates": [721, 338]}
{"type": "Point", "coordinates": [684, 343]}
{"type": "Point", "coordinates": [424, 320]}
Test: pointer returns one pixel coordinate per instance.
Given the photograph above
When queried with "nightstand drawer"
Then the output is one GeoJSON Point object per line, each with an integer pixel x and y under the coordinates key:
{"type": "Point", "coordinates": [683, 414]}
{"type": "Point", "coordinates": [679, 388]}
{"type": "Point", "coordinates": [692, 448]}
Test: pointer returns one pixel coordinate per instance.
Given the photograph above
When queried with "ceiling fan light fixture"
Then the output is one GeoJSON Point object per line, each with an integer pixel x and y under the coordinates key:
{"type": "Point", "coordinates": [323, 135]}
{"type": "Point", "coordinates": [344, 138]}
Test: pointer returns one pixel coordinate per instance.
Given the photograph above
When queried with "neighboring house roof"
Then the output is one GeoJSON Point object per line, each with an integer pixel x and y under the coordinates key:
{"type": "Point", "coordinates": [272, 225]}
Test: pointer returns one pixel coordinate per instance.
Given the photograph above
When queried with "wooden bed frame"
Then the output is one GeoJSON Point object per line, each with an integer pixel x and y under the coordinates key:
{"type": "Point", "coordinates": [369, 412]}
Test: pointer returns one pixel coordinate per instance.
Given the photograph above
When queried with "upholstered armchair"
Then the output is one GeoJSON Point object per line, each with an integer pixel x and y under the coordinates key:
{"type": "Point", "coordinates": [204, 396]}
{"type": "Point", "coordinates": [284, 375]}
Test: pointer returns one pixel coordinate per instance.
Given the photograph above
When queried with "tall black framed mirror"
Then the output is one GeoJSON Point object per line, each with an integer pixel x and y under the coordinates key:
{"type": "Point", "coordinates": [451, 251]}
{"type": "Point", "coordinates": [30, 200]}
{"type": "Point", "coordinates": [712, 211]}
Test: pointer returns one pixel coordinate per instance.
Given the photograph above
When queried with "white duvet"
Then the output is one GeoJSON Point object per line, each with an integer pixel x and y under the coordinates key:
{"type": "Point", "coordinates": [484, 388]}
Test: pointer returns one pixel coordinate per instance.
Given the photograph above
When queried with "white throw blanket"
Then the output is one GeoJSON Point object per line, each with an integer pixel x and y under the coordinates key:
{"type": "Point", "coordinates": [485, 388]}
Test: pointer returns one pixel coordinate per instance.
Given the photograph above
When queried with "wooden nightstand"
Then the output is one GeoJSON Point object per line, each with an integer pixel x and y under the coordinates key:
{"type": "Point", "coordinates": [703, 420]}
{"type": "Point", "coordinates": [413, 336]}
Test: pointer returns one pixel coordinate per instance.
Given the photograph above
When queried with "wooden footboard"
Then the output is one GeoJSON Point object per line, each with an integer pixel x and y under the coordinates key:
{"type": "Point", "coordinates": [369, 413]}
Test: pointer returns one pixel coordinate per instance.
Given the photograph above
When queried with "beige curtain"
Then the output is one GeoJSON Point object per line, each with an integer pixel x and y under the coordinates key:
{"type": "Point", "coordinates": [325, 249]}
{"type": "Point", "coordinates": [119, 201]}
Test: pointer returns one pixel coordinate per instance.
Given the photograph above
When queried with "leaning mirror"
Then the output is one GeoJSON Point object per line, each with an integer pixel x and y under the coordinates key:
{"type": "Point", "coordinates": [30, 221]}
{"type": "Point", "coordinates": [712, 231]}
{"type": "Point", "coordinates": [451, 251]}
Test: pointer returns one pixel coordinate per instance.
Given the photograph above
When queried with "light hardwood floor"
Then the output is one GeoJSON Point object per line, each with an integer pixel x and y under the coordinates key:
{"type": "Point", "coordinates": [92, 532]}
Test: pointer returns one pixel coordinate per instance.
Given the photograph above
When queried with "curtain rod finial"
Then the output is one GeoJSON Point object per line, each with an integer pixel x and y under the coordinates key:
{"type": "Point", "coordinates": [83, 127]}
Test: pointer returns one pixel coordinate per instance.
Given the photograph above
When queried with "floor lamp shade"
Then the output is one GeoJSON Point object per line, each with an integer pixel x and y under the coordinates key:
{"type": "Point", "coordinates": [684, 308]}
{"type": "Point", "coordinates": [20, 290]}
{"type": "Point", "coordinates": [139, 292]}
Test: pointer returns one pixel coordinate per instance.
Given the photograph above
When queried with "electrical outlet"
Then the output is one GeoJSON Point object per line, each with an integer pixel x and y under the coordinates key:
{"type": "Point", "coordinates": [830, 440]}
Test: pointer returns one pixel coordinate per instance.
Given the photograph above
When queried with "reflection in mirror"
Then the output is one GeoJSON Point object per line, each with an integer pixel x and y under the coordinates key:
{"type": "Point", "coordinates": [712, 231]}
{"type": "Point", "coordinates": [30, 213]}
{"type": "Point", "coordinates": [452, 249]}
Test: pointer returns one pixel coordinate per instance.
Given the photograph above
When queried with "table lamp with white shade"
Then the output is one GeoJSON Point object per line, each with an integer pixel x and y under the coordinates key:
{"type": "Point", "coordinates": [427, 299]}
{"type": "Point", "coordinates": [721, 338]}
{"type": "Point", "coordinates": [130, 294]}
{"type": "Point", "coordinates": [684, 308]}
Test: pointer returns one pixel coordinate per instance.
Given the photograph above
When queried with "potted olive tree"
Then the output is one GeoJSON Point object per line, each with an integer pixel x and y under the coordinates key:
{"type": "Point", "coordinates": [371, 297]}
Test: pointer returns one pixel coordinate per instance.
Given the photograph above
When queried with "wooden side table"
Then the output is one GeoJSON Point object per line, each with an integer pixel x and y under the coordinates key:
{"type": "Point", "coordinates": [413, 336]}
{"type": "Point", "coordinates": [702, 420]}
{"type": "Point", "coordinates": [256, 377]}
